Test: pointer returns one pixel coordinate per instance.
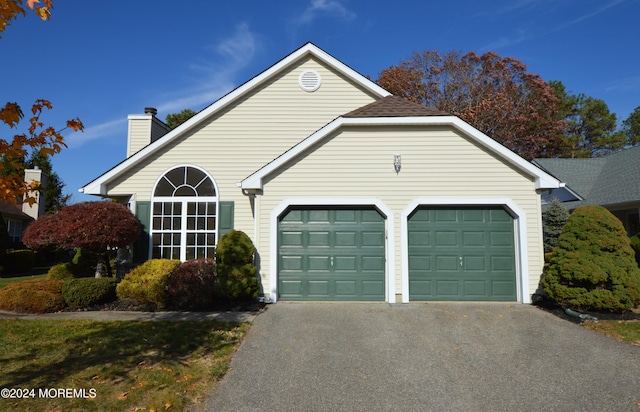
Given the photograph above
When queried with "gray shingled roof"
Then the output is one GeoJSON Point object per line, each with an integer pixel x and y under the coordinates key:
{"type": "Point", "coordinates": [609, 180]}
{"type": "Point", "coordinates": [394, 106]}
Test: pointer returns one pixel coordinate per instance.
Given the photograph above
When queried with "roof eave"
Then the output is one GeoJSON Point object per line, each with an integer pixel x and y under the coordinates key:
{"type": "Point", "coordinates": [542, 179]}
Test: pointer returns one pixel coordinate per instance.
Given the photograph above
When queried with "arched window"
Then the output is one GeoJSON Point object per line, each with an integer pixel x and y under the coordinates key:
{"type": "Point", "coordinates": [184, 215]}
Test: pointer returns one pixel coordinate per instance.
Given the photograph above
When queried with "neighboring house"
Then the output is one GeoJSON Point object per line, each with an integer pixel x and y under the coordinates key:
{"type": "Point", "coordinates": [18, 216]}
{"type": "Point", "coordinates": [16, 221]}
{"type": "Point", "coordinates": [612, 181]}
{"type": "Point", "coordinates": [348, 193]}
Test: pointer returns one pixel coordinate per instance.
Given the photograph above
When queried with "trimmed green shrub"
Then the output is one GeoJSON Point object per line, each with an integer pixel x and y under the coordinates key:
{"type": "Point", "coordinates": [33, 296]}
{"type": "Point", "coordinates": [19, 261]}
{"type": "Point", "coordinates": [593, 266]}
{"type": "Point", "coordinates": [235, 267]}
{"type": "Point", "coordinates": [192, 285]}
{"type": "Point", "coordinates": [147, 283]}
{"type": "Point", "coordinates": [60, 271]}
{"type": "Point", "coordinates": [5, 241]}
{"type": "Point", "coordinates": [83, 292]}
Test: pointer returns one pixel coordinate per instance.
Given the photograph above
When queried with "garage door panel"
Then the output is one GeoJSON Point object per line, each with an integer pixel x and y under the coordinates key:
{"type": "Point", "coordinates": [318, 239]}
{"type": "Point", "coordinates": [502, 264]}
{"type": "Point", "coordinates": [372, 288]}
{"type": "Point", "coordinates": [332, 254]}
{"type": "Point", "coordinates": [447, 264]}
{"type": "Point", "coordinates": [347, 239]}
{"type": "Point", "coordinates": [461, 253]}
{"type": "Point", "coordinates": [470, 239]}
{"type": "Point", "coordinates": [373, 264]}
{"type": "Point", "coordinates": [475, 288]}
{"type": "Point", "coordinates": [318, 287]}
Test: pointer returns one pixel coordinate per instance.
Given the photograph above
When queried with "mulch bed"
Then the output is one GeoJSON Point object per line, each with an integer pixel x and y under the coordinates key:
{"type": "Point", "coordinates": [557, 310]}
{"type": "Point", "coordinates": [249, 305]}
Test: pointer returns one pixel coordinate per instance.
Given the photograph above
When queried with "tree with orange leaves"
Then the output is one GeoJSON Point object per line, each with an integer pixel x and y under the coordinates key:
{"type": "Point", "coordinates": [45, 139]}
{"type": "Point", "coordinates": [494, 94]}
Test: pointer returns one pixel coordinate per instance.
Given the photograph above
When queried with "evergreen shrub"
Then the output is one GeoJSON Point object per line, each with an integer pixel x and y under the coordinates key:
{"type": "Point", "coordinates": [147, 283]}
{"type": "Point", "coordinates": [553, 220]}
{"type": "Point", "coordinates": [635, 245]}
{"type": "Point", "coordinates": [83, 292]}
{"type": "Point", "coordinates": [192, 285]}
{"type": "Point", "coordinates": [60, 271]}
{"type": "Point", "coordinates": [236, 270]}
{"type": "Point", "coordinates": [33, 296]}
{"type": "Point", "coordinates": [593, 266]}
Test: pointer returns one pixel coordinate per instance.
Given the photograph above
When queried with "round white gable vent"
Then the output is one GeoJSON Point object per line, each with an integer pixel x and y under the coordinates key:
{"type": "Point", "coordinates": [309, 80]}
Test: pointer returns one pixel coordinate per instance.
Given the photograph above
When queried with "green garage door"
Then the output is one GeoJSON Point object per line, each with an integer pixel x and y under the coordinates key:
{"type": "Point", "coordinates": [331, 254]}
{"type": "Point", "coordinates": [461, 253]}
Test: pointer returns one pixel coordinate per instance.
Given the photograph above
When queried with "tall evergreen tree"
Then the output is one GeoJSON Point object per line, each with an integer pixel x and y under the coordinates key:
{"type": "Point", "coordinates": [54, 198]}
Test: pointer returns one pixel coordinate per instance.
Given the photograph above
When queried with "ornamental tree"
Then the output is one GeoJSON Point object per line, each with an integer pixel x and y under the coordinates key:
{"type": "Point", "coordinates": [95, 227]}
{"type": "Point", "coordinates": [494, 94]}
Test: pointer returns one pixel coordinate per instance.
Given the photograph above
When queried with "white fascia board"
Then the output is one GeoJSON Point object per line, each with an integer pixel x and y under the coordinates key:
{"type": "Point", "coordinates": [307, 49]}
{"type": "Point", "coordinates": [543, 180]}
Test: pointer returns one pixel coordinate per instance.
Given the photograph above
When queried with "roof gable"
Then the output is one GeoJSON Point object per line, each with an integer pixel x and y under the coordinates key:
{"type": "Point", "coordinates": [309, 50]}
{"type": "Point", "coordinates": [543, 180]}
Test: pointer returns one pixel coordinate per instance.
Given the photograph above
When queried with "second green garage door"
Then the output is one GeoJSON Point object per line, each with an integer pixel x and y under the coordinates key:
{"type": "Point", "coordinates": [462, 253]}
{"type": "Point", "coordinates": [331, 254]}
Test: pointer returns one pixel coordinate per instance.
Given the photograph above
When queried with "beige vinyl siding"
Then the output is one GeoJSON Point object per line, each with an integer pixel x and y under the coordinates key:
{"type": "Point", "coordinates": [139, 132]}
{"type": "Point", "coordinates": [436, 162]}
{"type": "Point", "coordinates": [248, 134]}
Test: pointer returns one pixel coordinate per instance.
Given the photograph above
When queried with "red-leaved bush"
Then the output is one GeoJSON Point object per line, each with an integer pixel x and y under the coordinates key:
{"type": "Point", "coordinates": [192, 285]}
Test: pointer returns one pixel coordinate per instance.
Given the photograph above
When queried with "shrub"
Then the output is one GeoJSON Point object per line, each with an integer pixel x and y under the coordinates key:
{"type": "Point", "coordinates": [19, 261]}
{"type": "Point", "coordinates": [147, 283]}
{"type": "Point", "coordinates": [33, 296]}
{"type": "Point", "coordinates": [635, 245]}
{"type": "Point", "coordinates": [192, 285]}
{"type": "Point", "coordinates": [60, 271]}
{"type": "Point", "coordinates": [79, 293]}
{"type": "Point", "coordinates": [235, 267]}
{"type": "Point", "coordinates": [593, 266]}
{"type": "Point", "coordinates": [84, 264]}
{"type": "Point", "coordinates": [553, 220]}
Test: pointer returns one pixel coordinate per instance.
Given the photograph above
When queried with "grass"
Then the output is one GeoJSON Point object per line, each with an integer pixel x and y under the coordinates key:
{"type": "Point", "coordinates": [6, 281]}
{"type": "Point", "coordinates": [129, 366]}
{"type": "Point", "coordinates": [622, 330]}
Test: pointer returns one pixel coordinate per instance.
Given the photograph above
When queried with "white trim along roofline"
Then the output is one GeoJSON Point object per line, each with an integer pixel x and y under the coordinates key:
{"type": "Point", "coordinates": [98, 186]}
{"type": "Point", "coordinates": [543, 180]}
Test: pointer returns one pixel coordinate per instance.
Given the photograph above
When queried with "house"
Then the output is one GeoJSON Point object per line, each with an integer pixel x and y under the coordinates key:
{"type": "Point", "coordinates": [610, 181]}
{"type": "Point", "coordinates": [347, 192]}
{"type": "Point", "coordinates": [19, 215]}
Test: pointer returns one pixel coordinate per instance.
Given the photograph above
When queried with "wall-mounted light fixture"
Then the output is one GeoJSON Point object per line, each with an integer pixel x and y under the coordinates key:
{"type": "Point", "coordinates": [397, 162]}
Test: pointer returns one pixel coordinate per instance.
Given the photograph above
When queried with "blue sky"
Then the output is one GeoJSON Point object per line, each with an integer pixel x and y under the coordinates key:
{"type": "Point", "coordinates": [103, 62]}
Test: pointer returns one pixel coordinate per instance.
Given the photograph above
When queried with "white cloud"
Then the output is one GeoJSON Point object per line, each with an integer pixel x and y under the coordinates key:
{"type": "Point", "coordinates": [216, 77]}
{"type": "Point", "coordinates": [99, 131]}
{"type": "Point", "coordinates": [625, 85]}
{"type": "Point", "coordinates": [322, 8]}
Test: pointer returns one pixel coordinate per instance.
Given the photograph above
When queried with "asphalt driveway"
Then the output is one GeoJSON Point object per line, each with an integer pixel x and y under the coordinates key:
{"type": "Point", "coordinates": [425, 357]}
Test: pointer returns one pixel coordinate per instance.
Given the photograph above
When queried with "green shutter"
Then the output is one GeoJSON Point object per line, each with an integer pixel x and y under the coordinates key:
{"type": "Point", "coordinates": [141, 245]}
{"type": "Point", "coordinates": [225, 223]}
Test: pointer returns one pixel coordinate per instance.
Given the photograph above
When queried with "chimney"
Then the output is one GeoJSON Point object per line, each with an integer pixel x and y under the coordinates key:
{"type": "Point", "coordinates": [144, 129]}
{"type": "Point", "coordinates": [38, 208]}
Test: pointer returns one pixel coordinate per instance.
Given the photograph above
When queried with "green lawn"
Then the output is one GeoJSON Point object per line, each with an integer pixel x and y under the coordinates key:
{"type": "Point", "coordinates": [622, 330]}
{"type": "Point", "coordinates": [113, 365]}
